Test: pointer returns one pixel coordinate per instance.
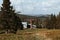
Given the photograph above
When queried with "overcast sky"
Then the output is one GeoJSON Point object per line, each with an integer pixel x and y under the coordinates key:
{"type": "Point", "coordinates": [36, 6]}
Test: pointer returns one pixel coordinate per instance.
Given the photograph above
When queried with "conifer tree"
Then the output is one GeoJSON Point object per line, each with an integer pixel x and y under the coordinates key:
{"type": "Point", "coordinates": [8, 18]}
{"type": "Point", "coordinates": [58, 21]}
{"type": "Point", "coordinates": [52, 22]}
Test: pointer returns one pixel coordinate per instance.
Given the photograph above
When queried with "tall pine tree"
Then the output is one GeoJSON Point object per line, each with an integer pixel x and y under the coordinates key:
{"type": "Point", "coordinates": [58, 21]}
{"type": "Point", "coordinates": [51, 23]}
{"type": "Point", "coordinates": [8, 18]}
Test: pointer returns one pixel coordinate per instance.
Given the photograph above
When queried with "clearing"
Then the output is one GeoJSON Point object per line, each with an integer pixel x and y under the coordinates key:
{"type": "Point", "coordinates": [33, 34]}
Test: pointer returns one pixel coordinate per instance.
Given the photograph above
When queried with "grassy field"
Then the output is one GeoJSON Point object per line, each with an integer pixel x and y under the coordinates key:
{"type": "Point", "coordinates": [32, 34]}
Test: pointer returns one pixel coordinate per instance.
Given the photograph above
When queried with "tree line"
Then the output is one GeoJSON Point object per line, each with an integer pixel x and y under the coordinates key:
{"type": "Point", "coordinates": [52, 22]}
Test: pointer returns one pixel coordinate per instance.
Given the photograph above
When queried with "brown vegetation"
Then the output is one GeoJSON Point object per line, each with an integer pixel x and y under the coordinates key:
{"type": "Point", "coordinates": [34, 34]}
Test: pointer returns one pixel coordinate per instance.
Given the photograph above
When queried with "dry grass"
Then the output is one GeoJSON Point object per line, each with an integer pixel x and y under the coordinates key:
{"type": "Point", "coordinates": [32, 34]}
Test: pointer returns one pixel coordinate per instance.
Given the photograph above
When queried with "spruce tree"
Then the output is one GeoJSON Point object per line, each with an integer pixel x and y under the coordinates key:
{"type": "Point", "coordinates": [8, 18]}
{"type": "Point", "coordinates": [58, 21]}
{"type": "Point", "coordinates": [51, 22]}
